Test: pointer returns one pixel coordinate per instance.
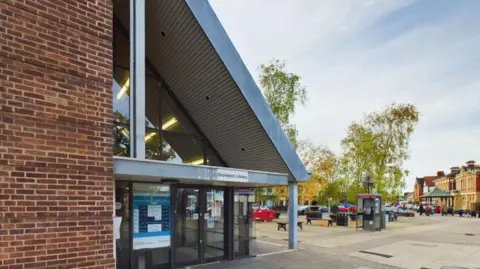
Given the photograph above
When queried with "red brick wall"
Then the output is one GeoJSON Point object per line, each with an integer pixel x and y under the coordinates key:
{"type": "Point", "coordinates": [417, 192]}
{"type": "Point", "coordinates": [477, 183]}
{"type": "Point", "coordinates": [56, 181]}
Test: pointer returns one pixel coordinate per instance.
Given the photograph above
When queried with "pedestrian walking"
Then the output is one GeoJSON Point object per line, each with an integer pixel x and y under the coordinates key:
{"type": "Point", "coordinates": [444, 210]}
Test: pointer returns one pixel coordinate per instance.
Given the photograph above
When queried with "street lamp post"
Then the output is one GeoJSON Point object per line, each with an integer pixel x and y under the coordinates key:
{"type": "Point", "coordinates": [329, 204]}
{"type": "Point", "coordinates": [368, 184]}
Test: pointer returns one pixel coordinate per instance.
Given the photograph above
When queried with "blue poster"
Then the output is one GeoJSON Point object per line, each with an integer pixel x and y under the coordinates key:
{"type": "Point", "coordinates": [151, 216]}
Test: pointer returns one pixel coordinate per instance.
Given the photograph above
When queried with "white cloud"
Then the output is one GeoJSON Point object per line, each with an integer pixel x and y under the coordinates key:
{"type": "Point", "coordinates": [357, 56]}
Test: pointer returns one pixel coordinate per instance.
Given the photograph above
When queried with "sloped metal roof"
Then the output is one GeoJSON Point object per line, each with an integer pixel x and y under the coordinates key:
{"type": "Point", "coordinates": [436, 192]}
{"type": "Point", "coordinates": [190, 49]}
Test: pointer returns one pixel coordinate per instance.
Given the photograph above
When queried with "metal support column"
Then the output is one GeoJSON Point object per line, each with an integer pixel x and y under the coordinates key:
{"type": "Point", "coordinates": [292, 215]}
{"type": "Point", "coordinates": [229, 224]}
{"type": "Point", "coordinates": [137, 78]}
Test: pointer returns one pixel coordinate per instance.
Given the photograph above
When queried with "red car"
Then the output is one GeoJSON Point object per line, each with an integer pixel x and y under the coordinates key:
{"type": "Point", "coordinates": [263, 214]}
{"type": "Point", "coordinates": [351, 209]}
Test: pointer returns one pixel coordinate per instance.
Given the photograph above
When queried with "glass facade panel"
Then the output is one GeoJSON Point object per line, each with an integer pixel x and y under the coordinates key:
{"type": "Point", "coordinates": [122, 225]}
{"type": "Point", "coordinates": [187, 225]}
{"type": "Point", "coordinates": [215, 224]}
{"type": "Point", "coordinates": [173, 148]}
{"type": "Point", "coordinates": [183, 149]}
{"type": "Point", "coordinates": [121, 84]}
{"type": "Point", "coordinates": [244, 226]}
{"type": "Point", "coordinates": [212, 158]}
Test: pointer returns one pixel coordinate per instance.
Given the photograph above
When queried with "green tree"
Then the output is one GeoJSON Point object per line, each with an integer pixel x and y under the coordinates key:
{"type": "Point", "coordinates": [283, 93]}
{"type": "Point", "coordinates": [378, 147]}
{"type": "Point", "coordinates": [323, 165]}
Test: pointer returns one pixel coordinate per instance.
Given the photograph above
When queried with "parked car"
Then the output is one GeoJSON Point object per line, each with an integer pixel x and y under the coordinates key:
{"type": "Point", "coordinates": [264, 214]}
{"type": "Point", "coordinates": [347, 208]}
{"type": "Point", "coordinates": [301, 210]}
{"type": "Point", "coordinates": [324, 209]}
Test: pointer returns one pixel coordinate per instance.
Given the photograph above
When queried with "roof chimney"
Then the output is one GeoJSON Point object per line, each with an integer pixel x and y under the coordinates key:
{"type": "Point", "coordinates": [440, 174]}
{"type": "Point", "coordinates": [471, 164]}
{"type": "Point", "coordinates": [454, 169]}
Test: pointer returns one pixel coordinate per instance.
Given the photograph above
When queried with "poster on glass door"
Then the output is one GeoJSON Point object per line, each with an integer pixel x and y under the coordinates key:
{"type": "Point", "coordinates": [151, 216]}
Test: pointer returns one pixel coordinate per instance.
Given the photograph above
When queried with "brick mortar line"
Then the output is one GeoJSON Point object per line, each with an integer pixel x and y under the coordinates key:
{"type": "Point", "coordinates": [91, 34]}
{"type": "Point", "coordinates": [33, 118]}
{"type": "Point", "coordinates": [100, 81]}
{"type": "Point", "coordinates": [61, 218]}
{"type": "Point", "coordinates": [57, 168]}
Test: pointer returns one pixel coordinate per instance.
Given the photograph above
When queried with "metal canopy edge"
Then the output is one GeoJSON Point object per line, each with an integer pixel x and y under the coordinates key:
{"type": "Point", "coordinates": [141, 169]}
{"type": "Point", "coordinates": [213, 29]}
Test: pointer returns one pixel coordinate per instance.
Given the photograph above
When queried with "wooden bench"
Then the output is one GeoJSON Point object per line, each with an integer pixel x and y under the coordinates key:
{"type": "Point", "coordinates": [283, 225]}
{"type": "Point", "coordinates": [328, 222]}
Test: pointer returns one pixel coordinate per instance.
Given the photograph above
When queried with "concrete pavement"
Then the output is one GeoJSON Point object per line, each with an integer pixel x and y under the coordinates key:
{"type": "Point", "coordinates": [421, 242]}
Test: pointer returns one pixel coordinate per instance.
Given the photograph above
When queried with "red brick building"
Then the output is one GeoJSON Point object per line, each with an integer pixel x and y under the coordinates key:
{"type": "Point", "coordinates": [56, 180]}
{"type": "Point", "coordinates": [424, 185]}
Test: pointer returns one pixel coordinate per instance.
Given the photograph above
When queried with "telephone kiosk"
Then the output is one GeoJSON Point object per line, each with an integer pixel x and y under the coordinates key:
{"type": "Point", "coordinates": [369, 212]}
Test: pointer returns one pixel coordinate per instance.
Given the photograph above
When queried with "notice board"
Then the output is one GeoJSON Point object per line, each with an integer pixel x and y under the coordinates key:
{"type": "Point", "coordinates": [151, 216]}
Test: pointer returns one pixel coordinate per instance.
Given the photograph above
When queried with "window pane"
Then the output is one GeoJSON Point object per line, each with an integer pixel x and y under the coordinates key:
{"type": "Point", "coordinates": [173, 148]}
{"type": "Point", "coordinates": [121, 85]}
{"type": "Point", "coordinates": [212, 158]}
{"type": "Point", "coordinates": [152, 144]}
{"type": "Point", "coordinates": [122, 224]}
{"type": "Point", "coordinates": [152, 101]}
{"type": "Point", "coordinates": [121, 138]}
{"type": "Point", "coordinates": [214, 224]}
{"type": "Point", "coordinates": [244, 226]}
{"type": "Point", "coordinates": [183, 149]}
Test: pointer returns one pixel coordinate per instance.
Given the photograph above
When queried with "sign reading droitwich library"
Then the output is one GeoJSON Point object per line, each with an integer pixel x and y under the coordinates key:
{"type": "Point", "coordinates": [232, 175]}
{"type": "Point", "coordinates": [151, 216]}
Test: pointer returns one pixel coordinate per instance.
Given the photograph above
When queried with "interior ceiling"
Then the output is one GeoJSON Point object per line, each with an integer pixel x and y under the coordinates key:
{"type": "Point", "coordinates": [180, 51]}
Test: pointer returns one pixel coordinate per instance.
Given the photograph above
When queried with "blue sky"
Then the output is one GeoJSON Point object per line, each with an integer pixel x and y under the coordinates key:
{"type": "Point", "coordinates": [356, 56]}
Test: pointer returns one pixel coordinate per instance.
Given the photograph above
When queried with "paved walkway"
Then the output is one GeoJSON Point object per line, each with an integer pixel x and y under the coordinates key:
{"type": "Point", "coordinates": [301, 259]}
{"type": "Point", "coordinates": [414, 243]}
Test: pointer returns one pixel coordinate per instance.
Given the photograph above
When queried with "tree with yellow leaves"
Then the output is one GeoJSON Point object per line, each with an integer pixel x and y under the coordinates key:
{"type": "Point", "coordinates": [283, 92]}
{"type": "Point", "coordinates": [320, 162]}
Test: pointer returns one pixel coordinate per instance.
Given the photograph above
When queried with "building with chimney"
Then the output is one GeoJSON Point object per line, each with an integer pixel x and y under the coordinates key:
{"type": "Point", "coordinates": [467, 187]}
{"type": "Point", "coordinates": [424, 185]}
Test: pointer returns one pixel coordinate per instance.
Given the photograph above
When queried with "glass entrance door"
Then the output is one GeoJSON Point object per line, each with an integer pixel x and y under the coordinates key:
{"type": "Point", "coordinates": [214, 223]}
{"type": "Point", "coordinates": [199, 225]}
{"type": "Point", "coordinates": [187, 226]}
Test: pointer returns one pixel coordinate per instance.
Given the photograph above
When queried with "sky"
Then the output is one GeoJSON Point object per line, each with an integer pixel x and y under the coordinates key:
{"type": "Point", "coordinates": [356, 57]}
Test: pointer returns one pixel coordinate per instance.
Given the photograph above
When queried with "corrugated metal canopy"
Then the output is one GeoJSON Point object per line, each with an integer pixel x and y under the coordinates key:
{"type": "Point", "coordinates": [187, 45]}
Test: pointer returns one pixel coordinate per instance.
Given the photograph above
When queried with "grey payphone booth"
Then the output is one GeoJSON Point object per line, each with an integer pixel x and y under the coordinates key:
{"type": "Point", "coordinates": [369, 212]}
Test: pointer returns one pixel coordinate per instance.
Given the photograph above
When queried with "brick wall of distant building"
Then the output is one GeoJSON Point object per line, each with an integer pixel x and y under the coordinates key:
{"type": "Point", "coordinates": [56, 181]}
{"type": "Point", "coordinates": [477, 182]}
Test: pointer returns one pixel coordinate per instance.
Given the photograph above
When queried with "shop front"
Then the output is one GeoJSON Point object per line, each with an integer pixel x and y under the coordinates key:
{"type": "Point", "coordinates": [174, 221]}
{"type": "Point", "coordinates": [169, 226]}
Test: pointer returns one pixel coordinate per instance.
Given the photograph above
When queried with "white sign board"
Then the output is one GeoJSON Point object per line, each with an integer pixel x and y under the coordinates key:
{"type": "Point", "coordinates": [232, 175]}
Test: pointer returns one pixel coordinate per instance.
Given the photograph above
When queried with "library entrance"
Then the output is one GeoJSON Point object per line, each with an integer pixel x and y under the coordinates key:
{"type": "Point", "coordinates": [199, 224]}
{"type": "Point", "coordinates": [175, 225]}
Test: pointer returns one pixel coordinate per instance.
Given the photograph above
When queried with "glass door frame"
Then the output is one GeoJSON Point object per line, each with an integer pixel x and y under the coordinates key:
{"type": "Point", "coordinates": [227, 228]}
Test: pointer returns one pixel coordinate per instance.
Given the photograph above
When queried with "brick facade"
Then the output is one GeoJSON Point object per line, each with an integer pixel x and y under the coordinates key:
{"type": "Point", "coordinates": [56, 180]}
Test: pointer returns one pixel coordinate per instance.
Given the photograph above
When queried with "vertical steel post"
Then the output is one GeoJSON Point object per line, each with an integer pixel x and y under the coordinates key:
{"type": "Point", "coordinates": [292, 215]}
{"type": "Point", "coordinates": [137, 78]}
